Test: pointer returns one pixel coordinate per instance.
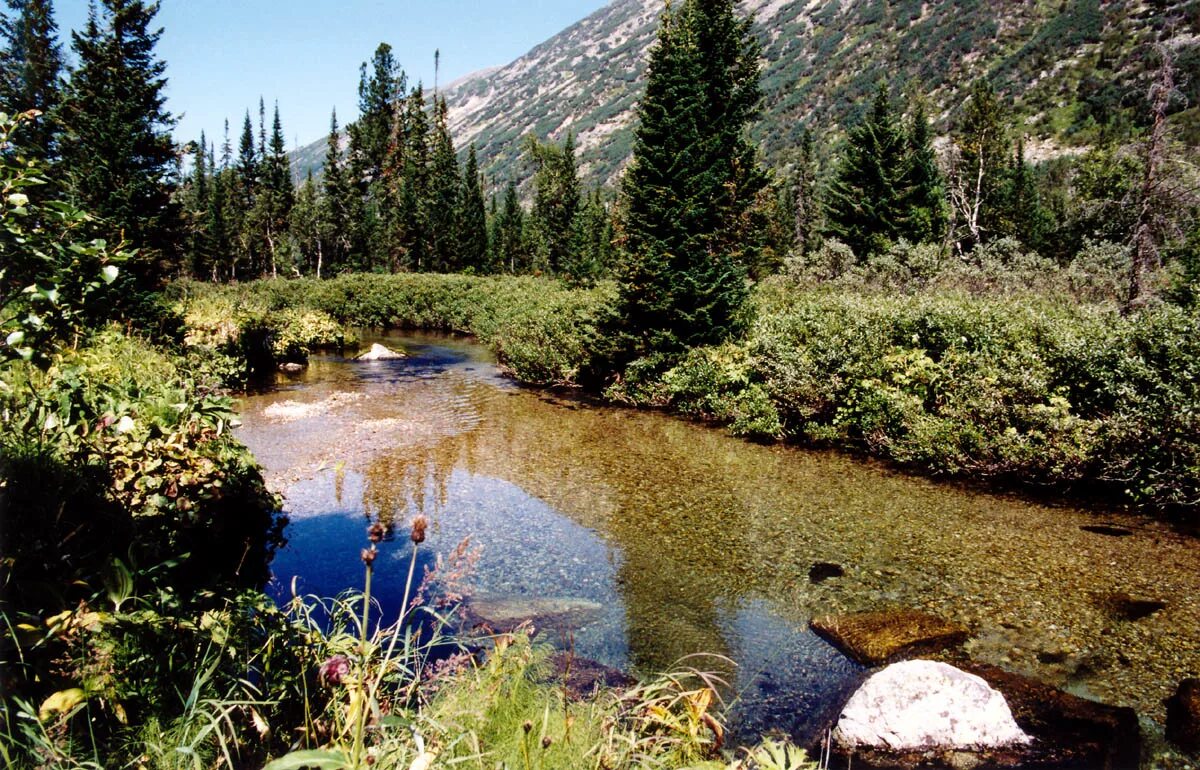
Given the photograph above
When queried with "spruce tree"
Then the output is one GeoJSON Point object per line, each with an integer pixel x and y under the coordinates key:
{"type": "Point", "coordinates": [442, 203]}
{"type": "Point", "coordinates": [117, 143]}
{"type": "Point", "coordinates": [927, 217]}
{"type": "Point", "coordinates": [692, 180]}
{"type": "Point", "coordinates": [335, 217]}
{"type": "Point", "coordinates": [510, 244]}
{"type": "Point", "coordinates": [472, 219]}
{"type": "Point", "coordinates": [867, 199]}
{"type": "Point", "coordinates": [30, 74]}
{"type": "Point", "coordinates": [406, 176]}
{"type": "Point", "coordinates": [555, 203]}
{"type": "Point", "coordinates": [304, 230]}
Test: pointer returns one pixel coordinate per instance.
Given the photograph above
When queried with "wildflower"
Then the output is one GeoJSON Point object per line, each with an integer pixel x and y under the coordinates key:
{"type": "Point", "coordinates": [419, 523]}
{"type": "Point", "coordinates": [546, 741]}
{"type": "Point", "coordinates": [368, 555]}
{"type": "Point", "coordinates": [375, 532]}
{"type": "Point", "coordinates": [334, 670]}
{"type": "Point", "coordinates": [527, 726]}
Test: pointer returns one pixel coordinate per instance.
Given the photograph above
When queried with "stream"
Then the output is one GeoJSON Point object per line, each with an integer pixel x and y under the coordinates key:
{"type": "Point", "coordinates": [661, 539]}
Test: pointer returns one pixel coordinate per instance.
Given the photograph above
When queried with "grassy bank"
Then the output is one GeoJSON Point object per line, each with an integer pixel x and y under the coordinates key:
{"type": "Point", "coordinates": [1034, 379]}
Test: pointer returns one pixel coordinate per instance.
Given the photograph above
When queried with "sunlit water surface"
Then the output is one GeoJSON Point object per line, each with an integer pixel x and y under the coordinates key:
{"type": "Point", "coordinates": [676, 539]}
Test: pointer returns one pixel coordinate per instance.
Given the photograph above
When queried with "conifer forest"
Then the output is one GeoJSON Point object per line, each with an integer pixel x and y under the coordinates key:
{"type": "Point", "coordinates": [756, 385]}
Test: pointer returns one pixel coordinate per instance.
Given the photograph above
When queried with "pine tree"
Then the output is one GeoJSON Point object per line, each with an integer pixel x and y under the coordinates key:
{"type": "Point", "coordinates": [335, 218]}
{"type": "Point", "coordinates": [510, 244]}
{"type": "Point", "coordinates": [1020, 214]}
{"type": "Point", "coordinates": [407, 179]}
{"type": "Point", "coordinates": [380, 90]}
{"type": "Point", "coordinates": [927, 217]}
{"type": "Point", "coordinates": [593, 249]}
{"type": "Point", "coordinates": [117, 141]}
{"type": "Point", "coordinates": [30, 74]}
{"type": "Point", "coordinates": [693, 178]}
{"type": "Point", "coordinates": [867, 199]}
{"type": "Point", "coordinates": [243, 218]}
{"type": "Point", "coordinates": [444, 183]}
{"type": "Point", "coordinates": [555, 203]}
{"type": "Point", "coordinates": [472, 219]}
{"type": "Point", "coordinates": [806, 204]}
{"type": "Point", "coordinates": [275, 195]}
{"type": "Point", "coordinates": [198, 199]}
{"type": "Point", "coordinates": [304, 230]}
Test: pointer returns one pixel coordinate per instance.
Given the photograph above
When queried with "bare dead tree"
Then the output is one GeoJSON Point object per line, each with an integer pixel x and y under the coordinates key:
{"type": "Point", "coordinates": [1167, 193]}
{"type": "Point", "coordinates": [1151, 216]}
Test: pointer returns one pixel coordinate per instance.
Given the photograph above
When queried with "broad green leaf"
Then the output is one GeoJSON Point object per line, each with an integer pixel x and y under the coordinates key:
{"type": "Point", "coordinates": [318, 759]}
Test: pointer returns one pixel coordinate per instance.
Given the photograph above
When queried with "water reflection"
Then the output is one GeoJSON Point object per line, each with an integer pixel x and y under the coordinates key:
{"type": "Point", "coordinates": [691, 541]}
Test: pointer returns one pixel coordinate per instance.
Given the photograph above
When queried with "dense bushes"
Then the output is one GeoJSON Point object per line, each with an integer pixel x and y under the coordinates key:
{"type": "Point", "coordinates": [1027, 389]}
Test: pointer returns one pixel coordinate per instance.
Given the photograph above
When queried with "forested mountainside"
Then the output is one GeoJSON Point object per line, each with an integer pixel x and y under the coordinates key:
{"type": "Point", "coordinates": [1067, 65]}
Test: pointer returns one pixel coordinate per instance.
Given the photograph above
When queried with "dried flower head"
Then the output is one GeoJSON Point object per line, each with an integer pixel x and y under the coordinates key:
{"type": "Point", "coordinates": [419, 524]}
{"type": "Point", "coordinates": [368, 555]}
{"type": "Point", "coordinates": [527, 726]}
{"type": "Point", "coordinates": [334, 670]}
{"type": "Point", "coordinates": [375, 532]}
{"type": "Point", "coordinates": [546, 741]}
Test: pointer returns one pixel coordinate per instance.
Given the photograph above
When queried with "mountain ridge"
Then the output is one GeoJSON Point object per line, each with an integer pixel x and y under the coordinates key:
{"type": "Point", "coordinates": [1055, 60]}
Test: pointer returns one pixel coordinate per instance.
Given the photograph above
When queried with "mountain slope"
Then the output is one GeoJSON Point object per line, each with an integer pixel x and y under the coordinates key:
{"type": "Point", "coordinates": [1065, 64]}
{"type": "Point", "coordinates": [821, 58]}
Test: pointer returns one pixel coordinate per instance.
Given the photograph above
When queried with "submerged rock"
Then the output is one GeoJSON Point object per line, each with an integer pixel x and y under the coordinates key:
{"type": "Point", "coordinates": [824, 570]}
{"type": "Point", "coordinates": [291, 367]}
{"type": "Point", "coordinates": [379, 353]}
{"type": "Point", "coordinates": [1183, 716]}
{"type": "Point", "coordinates": [1122, 606]}
{"type": "Point", "coordinates": [581, 677]}
{"type": "Point", "coordinates": [505, 613]}
{"type": "Point", "coordinates": [875, 638]}
{"type": "Point", "coordinates": [924, 705]}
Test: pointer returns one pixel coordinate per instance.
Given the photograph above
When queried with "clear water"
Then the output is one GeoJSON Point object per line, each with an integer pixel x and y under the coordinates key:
{"type": "Point", "coordinates": [673, 539]}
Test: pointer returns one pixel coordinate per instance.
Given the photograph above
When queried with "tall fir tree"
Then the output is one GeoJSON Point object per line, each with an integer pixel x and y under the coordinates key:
{"type": "Point", "coordinates": [693, 178]}
{"type": "Point", "coordinates": [408, 183]}
{"type": "Point", "coordinates": [511, 249]}
{"type": "Point", "coordinates": [442, 205]}
{"type": "Point", "coordinates": [31, 74]}
{"type": "Point", "coordinates": [336, 212]}
{"type": "Point", "coordinates": [380, 90]}
{"type": "Point", "coordinates": [867, 200]}
{"type": "Point", "coordinates": [556, 201]}
{"type": "Point", "coordinates": [117, 143]}
{"type": "Point", "coordinates": [927, 217]}
{"type": "Point", "coordinates": [304, 230]}
{"type": "Point", "coordinates": [472, 219]}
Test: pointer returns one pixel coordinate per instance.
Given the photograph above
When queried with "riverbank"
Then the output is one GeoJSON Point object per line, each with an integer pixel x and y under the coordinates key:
{"type": "Point", "coordinates": [1029, 388]}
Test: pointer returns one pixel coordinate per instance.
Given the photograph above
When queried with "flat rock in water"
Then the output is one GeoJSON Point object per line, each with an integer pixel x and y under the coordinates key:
{"type": "Point", "coordinates": [503, 614]}
{"type": "Point", "coordinates": [925, 705]}
{"type": "Point", "coordinates": [876, 638]}
{"type": "Point", "coordinates": [379, 353]}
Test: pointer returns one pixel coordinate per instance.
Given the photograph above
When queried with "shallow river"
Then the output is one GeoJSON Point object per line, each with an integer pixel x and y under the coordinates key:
{"type": "Point", "coordinates": [668, 538]}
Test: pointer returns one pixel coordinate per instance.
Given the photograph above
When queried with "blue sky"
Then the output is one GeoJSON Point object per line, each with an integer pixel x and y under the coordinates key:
{"type": "Point", "coordinates": [222, 54]}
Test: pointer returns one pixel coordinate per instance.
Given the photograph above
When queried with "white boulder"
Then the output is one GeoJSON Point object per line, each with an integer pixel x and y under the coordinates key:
{"type": "Point", "coordinates": [922, 705]}
{"type": "Point", "coordinates": [379, 353]}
